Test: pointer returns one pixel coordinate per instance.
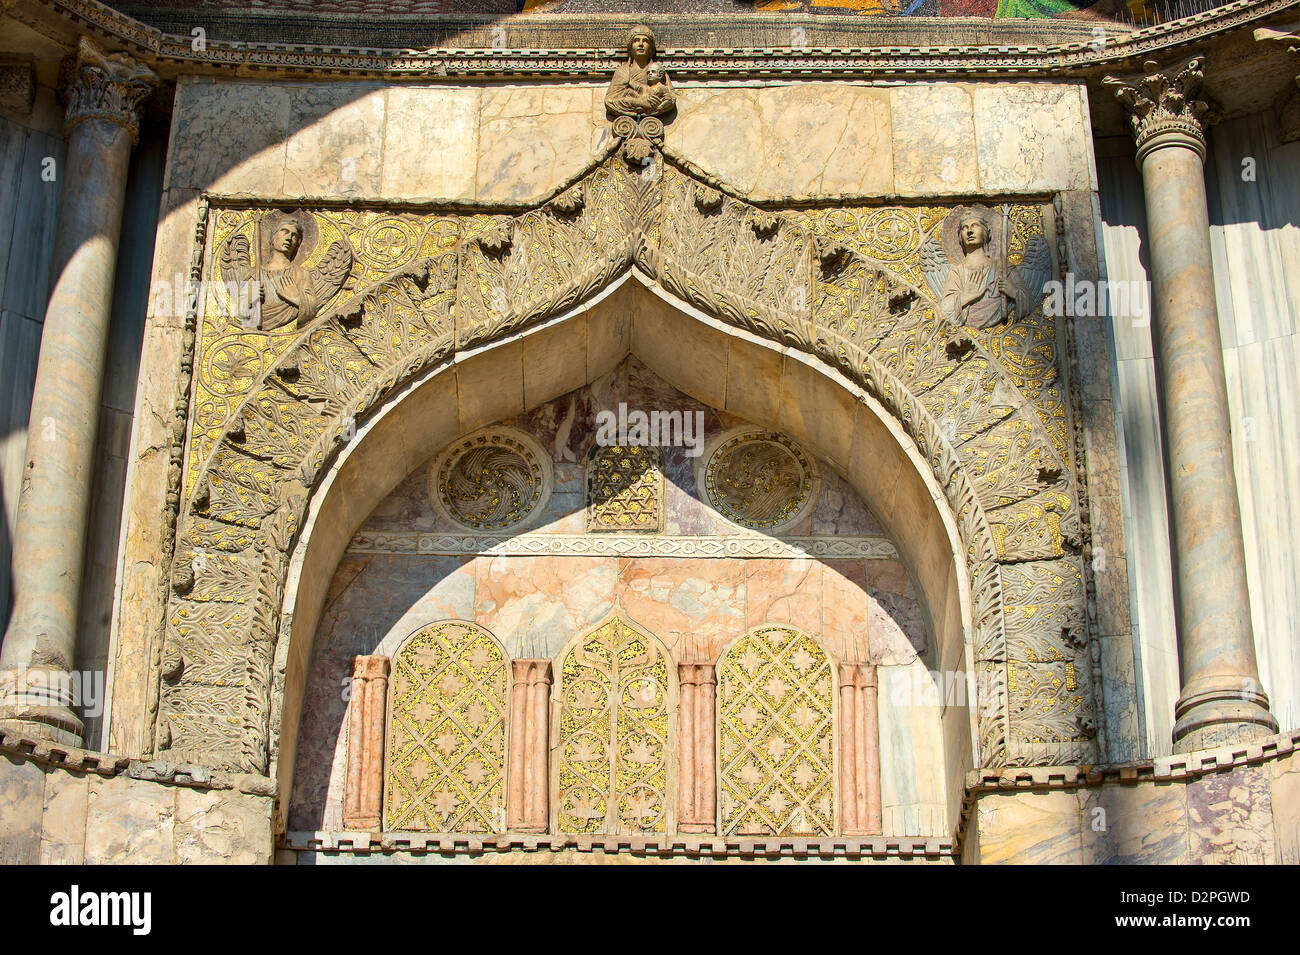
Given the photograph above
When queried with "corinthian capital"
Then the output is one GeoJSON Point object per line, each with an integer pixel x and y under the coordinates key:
{"type": "Point", "coordinates": [1165, 107]}
{"type": "Point", "coordinates": [107, 86]}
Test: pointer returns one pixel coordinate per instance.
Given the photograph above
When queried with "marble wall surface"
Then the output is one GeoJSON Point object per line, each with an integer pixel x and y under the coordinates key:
{"type": "Point", "coordinates": [504, 143]}
{"type": "Point", "coordinates": [1238, 813]}
{"type": "Point", "coordinates": [61, 816]}
{"type": "Point", "coordinates": [861, 608]}
{"type": "Point", "coordinates": [1253, 183]}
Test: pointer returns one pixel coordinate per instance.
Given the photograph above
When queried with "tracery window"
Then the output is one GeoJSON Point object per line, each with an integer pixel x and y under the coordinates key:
{"type": "Point", "coordinates": [616, 718]}
{"type": "Point", "coordinates": [446, 752]}
{"type": "Point", "coordinates": [776, 755]}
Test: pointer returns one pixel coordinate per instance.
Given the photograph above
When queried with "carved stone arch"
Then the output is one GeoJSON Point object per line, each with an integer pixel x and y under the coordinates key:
{"type": "Point", "coordinates": [448, 721]}
{"type": "Point", "coordinates": [778, 753]}
{"type": "Point", "coordinates": [784, 279]}
{"type": "Point", "coordinates": [614, 765]}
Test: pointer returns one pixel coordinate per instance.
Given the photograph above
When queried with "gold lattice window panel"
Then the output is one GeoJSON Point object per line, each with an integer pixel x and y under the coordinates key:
{"type": "Point", "coordinates": [625, 489]}
{"type": "Point", "coordinates": [776, 756]}
{"type": "Point", "coordinates": [617, 717]}
{"type": "Point", "coordinates": [446, 753]}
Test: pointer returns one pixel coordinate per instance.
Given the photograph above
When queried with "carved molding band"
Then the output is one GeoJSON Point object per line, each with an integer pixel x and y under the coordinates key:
{"type": "Point", "coordinates": [1074, 47]}
{"type": "Point", "coordinates": [109, 87]}
{"type": "Point", "coordinates": [610, 545]}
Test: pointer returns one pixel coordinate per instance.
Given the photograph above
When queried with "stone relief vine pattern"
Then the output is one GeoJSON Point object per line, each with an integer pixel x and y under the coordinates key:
{"type": "Point", "coordinates": [447, 732]}
{"type": "Point", "coordinates": [232, 355]}
{"type": "Point", "coordinates": [270, 410]}
{"type": "Point", "coordinates": [776, 769]}
{"type": "Point", "coordinates": [615, 722]}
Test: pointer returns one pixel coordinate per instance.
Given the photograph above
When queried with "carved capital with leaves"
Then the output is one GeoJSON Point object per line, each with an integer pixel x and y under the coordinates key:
{"type": "Point", "coordinates": [1166, 107]}
{"type": "Point", "coordinates": [107, 86]}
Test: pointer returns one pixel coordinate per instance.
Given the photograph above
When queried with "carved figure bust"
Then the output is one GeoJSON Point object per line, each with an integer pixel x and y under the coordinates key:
{"type": "Point", "coordinates": [979, 289]}
{"type": "Point", "coordinates": [287, 290]}
{"type": "Point", "coordinates": [640, 86]}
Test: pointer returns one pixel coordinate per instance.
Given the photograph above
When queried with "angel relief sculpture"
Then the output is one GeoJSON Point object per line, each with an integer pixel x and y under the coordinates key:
{"type": "Point", "coordinates": [969, 272]}
{"type": "Point", "coordinates": [281, 289]}
{"type": "Point", "coordinates": [640, 86]}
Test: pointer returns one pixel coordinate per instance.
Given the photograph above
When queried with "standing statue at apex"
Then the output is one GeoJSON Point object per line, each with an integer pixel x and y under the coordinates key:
{"type": "Point", "coordinates": [640, 86]}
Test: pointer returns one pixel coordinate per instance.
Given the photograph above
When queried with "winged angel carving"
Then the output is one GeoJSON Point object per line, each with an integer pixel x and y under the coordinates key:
{"type": "Point", "coordinates": [968, 270]}
{"type": "Point", "coordinates": [283, 288]}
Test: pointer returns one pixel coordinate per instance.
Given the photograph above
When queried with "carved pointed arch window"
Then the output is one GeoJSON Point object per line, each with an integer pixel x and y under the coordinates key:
{"type": "Point", "coordinates": [776, 727]}
{"type": "Point", "coordinates": [445, 769]}
{"type": "Point", "coordinates": [615, 726]}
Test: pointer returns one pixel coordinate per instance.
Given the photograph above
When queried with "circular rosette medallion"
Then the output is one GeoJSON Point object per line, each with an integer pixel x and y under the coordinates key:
{"type": "Point", "coordinates": [759, 479]}
{"type": "Point", "coordinates": [491, 480]}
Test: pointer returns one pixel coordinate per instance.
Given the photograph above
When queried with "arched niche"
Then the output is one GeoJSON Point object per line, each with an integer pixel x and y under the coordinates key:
{"type": "Point", "coordinates": [714, 363]}
{"type": "Point", "coordinates": [614, 728]}
{"type": "Point", "coordinates": [778, 753]}
{"type": "Point", "coordinates": [447, 723]}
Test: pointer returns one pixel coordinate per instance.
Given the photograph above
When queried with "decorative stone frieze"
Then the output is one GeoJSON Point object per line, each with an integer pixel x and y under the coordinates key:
{"type": "Point", "coordinates": [363, 797]}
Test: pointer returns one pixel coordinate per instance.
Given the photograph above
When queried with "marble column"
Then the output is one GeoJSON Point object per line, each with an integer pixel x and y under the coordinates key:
{"type": "Point", "coordinates": [696, 739]}
{"type": "Point", "coordinates": [1221, 700]}
{"type": "Point", "coordinates": [367, 713]}
{"type": "Point", "coordinates": [37, 656]}
{"type": "Point", "coordinates": [859, 750]}
{"type": "Point", "coordinates": [530, 749]}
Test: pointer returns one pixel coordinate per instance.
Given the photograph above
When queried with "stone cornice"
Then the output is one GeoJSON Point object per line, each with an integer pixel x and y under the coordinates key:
{"type": "Point", "coordinates": [667, 846]}
{"type": "Point", "coordinates": [1161, 769]}
{"type": "Point", "coordinates": [74, 759]}
{"type": "Point", "coordinates": [172, 55]}
{"type": "Point", "coordinates": [108, 87]}
{"type": "Point", "coordinates": [1166, 107]}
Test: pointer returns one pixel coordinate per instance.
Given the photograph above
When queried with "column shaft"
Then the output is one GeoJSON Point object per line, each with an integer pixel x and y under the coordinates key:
{"type": "Point", "coordinates": [363, 797]}
{"type": "Point", "coordinates": [39, 646]}
{"type": "Point", "coordinates": [696, 786]}
{"type": "Point", "coordinates": [530, 728]}
{"type": "Point", "coordinates": [1221, 700]}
